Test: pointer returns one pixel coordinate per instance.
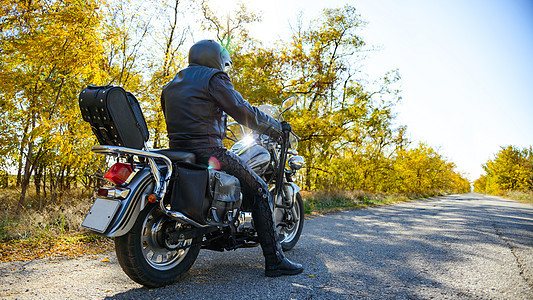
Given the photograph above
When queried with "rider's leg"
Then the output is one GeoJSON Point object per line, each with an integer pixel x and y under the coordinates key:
{"type": "Point", "coordinates": [276, 264]}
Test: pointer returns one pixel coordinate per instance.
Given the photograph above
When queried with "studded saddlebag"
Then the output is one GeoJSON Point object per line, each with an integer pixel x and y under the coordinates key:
{"type": "Point", "coordinates": [114, 115]}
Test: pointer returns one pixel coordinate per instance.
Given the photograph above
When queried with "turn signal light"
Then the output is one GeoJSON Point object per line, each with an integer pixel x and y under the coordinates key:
{"type": "Point", "coordinates": [113, 192]}
{"type": "Point", "coordinates": [152, 198]}
{"type": "Point", "coordinates": [103, 192]}
{"type": "Point", "coordinates": [119, 173]}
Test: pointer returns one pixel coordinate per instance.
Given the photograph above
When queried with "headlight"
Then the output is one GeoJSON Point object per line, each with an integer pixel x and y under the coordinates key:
{"type": "Point", "coordinates": [296, 162]}
{"type": "Point", "coordinates": [293, 141]}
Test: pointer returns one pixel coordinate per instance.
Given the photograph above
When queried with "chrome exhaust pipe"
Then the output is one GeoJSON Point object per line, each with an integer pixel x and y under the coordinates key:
{"type": "Point", "coordinates": [176, 215]}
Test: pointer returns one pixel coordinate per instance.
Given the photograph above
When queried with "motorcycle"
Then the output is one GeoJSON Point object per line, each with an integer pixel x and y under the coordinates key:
{"type": "Point", "coordinates": [162, 208]}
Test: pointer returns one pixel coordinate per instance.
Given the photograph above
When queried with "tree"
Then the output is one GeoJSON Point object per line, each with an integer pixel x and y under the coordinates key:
{"type": "Point", "coordinates": [480, 185]}
{"type": "Point", "coordinates": [169, 60]}
{"type": "Point", "coordinates": [228, 27]}
{"type": "Point", "coordinates": [346, 125]}
{"type": "Point", "coordinates": [510, 170]}
{"type": "Point", "coordinates": [422, 169]}
{"type": "Point", "coordinates": [50, 48]}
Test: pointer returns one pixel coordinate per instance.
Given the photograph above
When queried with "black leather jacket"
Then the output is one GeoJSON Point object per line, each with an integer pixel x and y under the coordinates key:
{"type": "Point", "coordinates": [195, 104]}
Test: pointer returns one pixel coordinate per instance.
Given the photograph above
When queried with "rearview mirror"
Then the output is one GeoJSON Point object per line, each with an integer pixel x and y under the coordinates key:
{"type": "Point", "coordinates": [288, 103]}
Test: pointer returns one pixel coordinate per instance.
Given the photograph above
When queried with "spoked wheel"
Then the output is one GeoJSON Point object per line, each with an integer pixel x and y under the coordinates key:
{"type": "Point", "coordinates": [289, 223]}
{"type": "Point", "coordinates": [149, 256]}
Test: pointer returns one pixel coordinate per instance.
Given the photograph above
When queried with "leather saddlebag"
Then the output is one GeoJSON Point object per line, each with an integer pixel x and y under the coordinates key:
{"type": "Point", "coordinates": [205, 195]}
{"type": "Point", "coordinates": [187, 190]}
{"type": "Point", "coordinates": [114, 115]}
{"type": "Point", "coordinates": [225, 194]}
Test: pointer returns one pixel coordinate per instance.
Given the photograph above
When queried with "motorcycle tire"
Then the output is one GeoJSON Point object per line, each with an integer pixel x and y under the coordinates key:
{"type": "Point", "coordinates": [291, 237]}
{"type": "Point", "coordinates": [145, 260]}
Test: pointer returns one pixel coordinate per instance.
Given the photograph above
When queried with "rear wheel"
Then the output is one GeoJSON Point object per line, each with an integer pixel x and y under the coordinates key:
{"type": "Point", "coordinates": [148, 256]}
{"type": "Point", "coordinates": [289, 223]}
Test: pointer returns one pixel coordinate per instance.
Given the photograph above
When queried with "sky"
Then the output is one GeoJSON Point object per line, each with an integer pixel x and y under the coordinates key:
{"type": "Point", "coordinates": [466, 67]}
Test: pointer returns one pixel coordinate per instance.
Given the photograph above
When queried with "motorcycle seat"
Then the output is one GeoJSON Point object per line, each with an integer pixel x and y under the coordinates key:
{"type": "Point", "coordinates": [177, 155]}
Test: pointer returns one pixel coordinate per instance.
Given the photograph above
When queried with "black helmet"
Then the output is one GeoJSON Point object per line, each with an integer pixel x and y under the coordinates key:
{"type": "Point", "coordinates": [209, 53]}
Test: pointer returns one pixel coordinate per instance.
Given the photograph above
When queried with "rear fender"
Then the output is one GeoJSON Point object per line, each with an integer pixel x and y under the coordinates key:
{"type": "Point", "coordinates": [141, 186]}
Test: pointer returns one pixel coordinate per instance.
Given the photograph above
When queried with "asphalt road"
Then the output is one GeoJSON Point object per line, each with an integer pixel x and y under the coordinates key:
{"type": "Point", "coordinates": [455, 247]}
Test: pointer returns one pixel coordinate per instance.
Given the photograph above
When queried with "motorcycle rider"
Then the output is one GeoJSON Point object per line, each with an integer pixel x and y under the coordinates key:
{"type": "Point", "coordinates": [195, 104]}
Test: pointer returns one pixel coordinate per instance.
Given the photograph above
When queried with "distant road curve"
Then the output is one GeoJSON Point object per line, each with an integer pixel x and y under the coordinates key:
{"type": "Point", "coordinates": [459, 246]}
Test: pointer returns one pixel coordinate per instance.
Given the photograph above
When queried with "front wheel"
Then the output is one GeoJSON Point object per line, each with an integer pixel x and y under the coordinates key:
{"type": "Point", "coordinates": [146, 255]}
{"type": "Point", "coordinates": [289, 223]}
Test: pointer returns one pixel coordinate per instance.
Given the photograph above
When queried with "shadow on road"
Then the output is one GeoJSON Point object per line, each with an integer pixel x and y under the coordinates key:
{"type": "Point", "coordinates": [240, 274]}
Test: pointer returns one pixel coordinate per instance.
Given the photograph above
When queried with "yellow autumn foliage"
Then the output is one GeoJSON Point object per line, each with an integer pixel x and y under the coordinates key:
{"type": "Point", "coordinates": [510, 170]}
{"type": "Point", "coordinates": [51, 49]}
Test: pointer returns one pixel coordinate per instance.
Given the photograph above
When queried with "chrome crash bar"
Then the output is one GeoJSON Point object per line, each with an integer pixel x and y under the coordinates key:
{"type": "Point", "coordinates": [161, 184]}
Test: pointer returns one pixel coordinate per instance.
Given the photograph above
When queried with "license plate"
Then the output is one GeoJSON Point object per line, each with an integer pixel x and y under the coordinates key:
{"type": "Point", "coordinates": [101, 214]}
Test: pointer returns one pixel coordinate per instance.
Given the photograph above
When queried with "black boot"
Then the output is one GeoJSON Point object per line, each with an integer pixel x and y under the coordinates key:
{"type": "Point", "coordinates": [276, 264]}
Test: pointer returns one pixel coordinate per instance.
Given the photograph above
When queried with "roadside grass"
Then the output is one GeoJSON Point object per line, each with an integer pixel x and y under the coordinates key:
{"type": "Point", "coordinates": [333, 201]}
{"type": "Point", "coordinates": [46, 245]}
{"type": "Point", "coordinates": [524, 197]}
{"type": "Point", "coordinates": [46, 230]}
{"type": "Point", "coordinates": [52, 230]}
{"type": "Point", "coordinates": [40, 216]}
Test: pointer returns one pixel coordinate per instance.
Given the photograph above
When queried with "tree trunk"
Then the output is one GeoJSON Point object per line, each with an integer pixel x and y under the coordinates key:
{"type": "Point", "coordinates": [54, 185]}
{"type": "Point", "coordinates": [53, 189]}
{"type": "Point", "coordinates": [44, 183]}
{"type": "Point", "coordinates": [26, 180]}
{"type": "Point", "coordinates": [68, 179]}
{"type": "Point", "coordinates": [19, 172]}
{"type": "Point", "coordinates": [309, 167]}
{"type": "Point", "coordinates": [37, 178]}
{"type": "Point", "coordinates": [22, 145]}
{"type": "Point", "coordinates": [61, 180]}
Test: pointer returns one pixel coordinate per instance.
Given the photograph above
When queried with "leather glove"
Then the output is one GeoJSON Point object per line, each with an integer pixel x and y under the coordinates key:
{"type": "Point", "coordinates": [285, 126]}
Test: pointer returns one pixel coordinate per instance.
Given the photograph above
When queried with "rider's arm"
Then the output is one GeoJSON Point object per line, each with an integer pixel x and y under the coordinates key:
{"type": "Point", "coordinates": [231, 101]}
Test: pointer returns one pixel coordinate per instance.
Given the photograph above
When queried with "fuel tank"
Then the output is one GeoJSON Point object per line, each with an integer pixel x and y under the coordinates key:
{"type": "Point", "coordinates": [256, 156]}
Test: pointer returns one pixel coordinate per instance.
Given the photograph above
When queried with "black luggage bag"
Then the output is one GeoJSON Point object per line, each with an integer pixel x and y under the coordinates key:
{"type": "Point", "coordinates": [205, 195]}
{"type": "Point", "coordinates": [115, 116]}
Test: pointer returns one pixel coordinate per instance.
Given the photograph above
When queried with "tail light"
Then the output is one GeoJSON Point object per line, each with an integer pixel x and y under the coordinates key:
{"type": "Point", "coordinates": [119, 173]}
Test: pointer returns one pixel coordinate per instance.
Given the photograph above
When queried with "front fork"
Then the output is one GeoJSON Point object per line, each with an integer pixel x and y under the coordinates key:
{"type": "Point", "coordinates": [280, 172]}
{"type": "Point", "coordinates": [285, 203]}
